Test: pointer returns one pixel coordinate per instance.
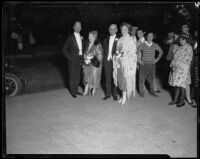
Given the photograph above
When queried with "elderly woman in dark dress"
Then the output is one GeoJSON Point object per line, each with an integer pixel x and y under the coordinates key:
{"type": "Point", "coordinates": [91, 72]}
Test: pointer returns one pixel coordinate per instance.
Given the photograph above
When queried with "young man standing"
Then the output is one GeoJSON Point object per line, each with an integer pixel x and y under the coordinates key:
{"type": "Point", "coordinates": [148, 63]}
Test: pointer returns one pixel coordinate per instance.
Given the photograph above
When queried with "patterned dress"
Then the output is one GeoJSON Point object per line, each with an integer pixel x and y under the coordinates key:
{"type": "Point", "coordinates": [180, 76]}
{"type": "Point", "coordinates": [124, 68]}
{"type": "Point", "coordinates": [92, 74]}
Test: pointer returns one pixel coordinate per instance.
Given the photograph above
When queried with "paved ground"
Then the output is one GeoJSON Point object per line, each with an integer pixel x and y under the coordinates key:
{"type": "Point", "coordinates": [43, 120]}
{"type": "Point", "coordinates": [54, 122]}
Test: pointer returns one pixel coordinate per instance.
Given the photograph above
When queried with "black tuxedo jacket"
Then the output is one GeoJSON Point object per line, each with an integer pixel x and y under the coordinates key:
{"type": "Point", "coordinates": [106, 47]}
{"type": "Point", "coordinates": [70, 48]}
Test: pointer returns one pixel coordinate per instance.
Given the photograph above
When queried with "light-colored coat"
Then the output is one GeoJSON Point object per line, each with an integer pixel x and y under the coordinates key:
{"type": "Point", "coordinates": [127, 64]}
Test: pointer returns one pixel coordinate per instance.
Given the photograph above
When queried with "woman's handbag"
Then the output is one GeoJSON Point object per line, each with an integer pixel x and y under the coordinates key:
{"type": "Point", "coordinates": [95, 62]}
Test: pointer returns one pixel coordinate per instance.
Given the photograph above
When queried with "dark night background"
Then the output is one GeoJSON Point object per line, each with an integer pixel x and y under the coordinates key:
{"type": "Point", "coordinates": [52, 22]}
{"type": "Point", "coordinates": [48, 20]}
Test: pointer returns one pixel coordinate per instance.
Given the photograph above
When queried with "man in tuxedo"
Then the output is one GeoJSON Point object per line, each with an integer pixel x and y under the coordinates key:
{"type": "Point", "coordinates": [109, 46]}
{"type": "Point", "coordinates": [73, 51]}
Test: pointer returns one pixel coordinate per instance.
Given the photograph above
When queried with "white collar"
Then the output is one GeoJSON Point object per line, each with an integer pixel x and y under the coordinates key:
{"type": "Point", "coordinates": [142, 39]}
{"type": "Point", "coordinates": [75, 33]}
{"type": "Point", "coordinates": [148, 43]}
{"type": "Point", "coordinates": [113, 36]}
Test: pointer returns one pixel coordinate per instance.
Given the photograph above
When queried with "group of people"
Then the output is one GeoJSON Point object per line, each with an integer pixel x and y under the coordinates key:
{"type": "Point", "coordinates": [120, 56]}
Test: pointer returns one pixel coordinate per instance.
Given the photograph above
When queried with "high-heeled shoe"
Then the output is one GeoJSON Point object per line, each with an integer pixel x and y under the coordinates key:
{"type": "Point", "coordinates": [86, 93]}
{"type": "Point", "coordinates": [119, 101]}
{"type": "Point", "coordinates": [190, 103]}
{"type": "Point", "coordinates": [194, 106]}
{"type": "Point", "coordinates": [173, 102]}
{"type": "Point", "coordinates": [180, 104]}
{"type": "Point", "coordinates": [93, 92]}
{"type": "Point", "coordinates": [123, 102]}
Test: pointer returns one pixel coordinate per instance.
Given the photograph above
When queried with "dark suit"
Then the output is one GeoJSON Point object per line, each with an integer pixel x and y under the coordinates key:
{"type": "Point", "coordinates": [108, 67]}
{"type": "Point", "coordinates": [71, 52]}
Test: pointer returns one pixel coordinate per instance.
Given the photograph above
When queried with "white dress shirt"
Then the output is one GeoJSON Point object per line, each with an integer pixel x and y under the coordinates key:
{"type": "Point", "coordinates": [111, 42]}
{"type": "Point", "coordinates": [134, 39]}
{"type": "Point", "coordinates": [142, 40]}
{"type": "Point", "coordinates": [79, 42]}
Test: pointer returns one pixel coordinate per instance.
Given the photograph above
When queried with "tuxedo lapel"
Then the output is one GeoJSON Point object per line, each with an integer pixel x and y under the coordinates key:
{"type": "Point", "coordinates": [107, 42]}
{"type": "Point", "coordinates": [74, 41]}
{"type": "Point", "coordinates": [114, 45]}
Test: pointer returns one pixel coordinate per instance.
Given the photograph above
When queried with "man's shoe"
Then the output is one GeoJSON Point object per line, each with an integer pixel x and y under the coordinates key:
{"type": "Point", "coordinates": [180, 104]}
{"type": "Point", "coordinates": [115, 98]}
{"type": "Point", "coordinates": [142, 94]}
{"type": "Point", "coordinates": [190, 103]}
{"type": "Point", "coordinates": [157, 91]}
{"type": "Point", "coordinates": [74, 96]}
{"type": "Point", "coordinates": [173, 102]}
{"type": "Point", "coordinates": [106, 97]}
{"type": "Point", "coordinates": [78, 93]}
{"type": "Point", "coordinates": [154, 94]}
{"type": "Point", "coordinates": [194, 106]}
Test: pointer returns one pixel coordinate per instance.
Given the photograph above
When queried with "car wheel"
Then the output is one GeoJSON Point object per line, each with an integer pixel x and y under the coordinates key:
{"type": "Point", "coordinates": [13, 84]}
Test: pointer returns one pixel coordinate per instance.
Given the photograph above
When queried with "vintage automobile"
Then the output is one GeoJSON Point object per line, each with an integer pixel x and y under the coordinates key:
{"type": "Point", "coordinates": [14, 81]}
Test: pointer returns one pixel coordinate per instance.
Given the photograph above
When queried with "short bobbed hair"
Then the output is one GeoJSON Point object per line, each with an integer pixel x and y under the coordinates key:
{"type": "Point", "coordinates": [126, 25]}
{"type": "Point", "coordinates": [94, 33]}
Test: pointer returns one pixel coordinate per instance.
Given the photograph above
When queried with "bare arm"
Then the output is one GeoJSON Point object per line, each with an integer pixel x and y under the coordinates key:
{"type": "Point", "coordinates": [158, 48]}
{"type": "Point", "coordinates": [139, 49]}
